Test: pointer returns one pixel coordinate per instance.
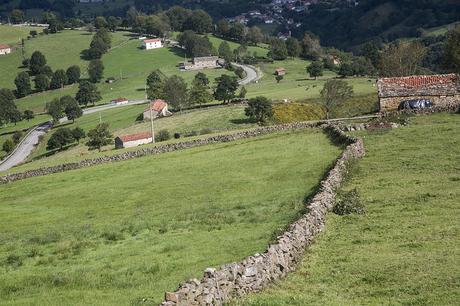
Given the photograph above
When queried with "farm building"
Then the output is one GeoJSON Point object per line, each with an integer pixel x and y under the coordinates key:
{"type": "Point", "coordinates": [439, 89]}
{"type": "Point", "coordinates": [5, 49]}
{"type": "Point", "coordinates": [201, 63]}
{"type": "Point", "coordinates": [149, 44]}
{"type": "Point", "coordinates": [119, 101]}
{"type": "Point", "coordinates": [159, 109]}
{"type": "Point", "coordinates": [280, 71]}
{"type": "Point", "coordinates": [134, 140]}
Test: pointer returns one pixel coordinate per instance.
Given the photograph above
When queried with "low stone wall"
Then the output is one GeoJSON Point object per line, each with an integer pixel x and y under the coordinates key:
{"type": "Point", "coordinates": [257, 271]}
{"type": "Point", "coordinates": [155, 150]}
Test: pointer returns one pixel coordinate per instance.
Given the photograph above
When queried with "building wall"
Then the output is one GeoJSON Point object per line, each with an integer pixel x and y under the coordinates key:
{"type": "Point", "coordinates": [392, 103]}
{"type": "Point", "coordinates": [152, 45]}
{"type": "Point", "coordinates": [147, 114]}
{"type": "Point", "coordinates": [135, 143]}
{"type": "Point", "coordinates": [5, 51]}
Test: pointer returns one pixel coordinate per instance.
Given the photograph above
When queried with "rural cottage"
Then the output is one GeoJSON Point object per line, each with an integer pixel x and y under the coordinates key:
{"type": "Point", "coordinates": [439, 89]}
{"type": "Point", "coordinates": [149, 44]}
{"type": "Point", "coordinates": [201, 63]}
{"type": "Point", "coordinates": [5, 49]}
{"type": "Point", "coordinates": [159, 109]}
{"type": "Point", "coordinates": [134, 140]}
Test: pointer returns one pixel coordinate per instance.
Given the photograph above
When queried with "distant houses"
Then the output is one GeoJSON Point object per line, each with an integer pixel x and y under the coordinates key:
{"type": "Point", "coordinates": [133, 140]}
{"type": "Point", "coordinates": [159, 109]}
{"type": "Point", "coordinates": [5, 49]}
{"type": "Point", "coordinates": [439, 89]}
{"type": "Point", "coordinates": [149, 44]}
{"type": "Point", "coordinates": [210, 62]}
{"type": "Point", "coordinates": [119, 101]}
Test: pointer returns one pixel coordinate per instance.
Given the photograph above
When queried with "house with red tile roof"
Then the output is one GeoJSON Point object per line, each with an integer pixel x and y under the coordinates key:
{"type": "Point", "coordinates": [159, 109]}
{"type": "Point", "coordinates": [280, 71]}
{"type": "Point", "coordinates": [133, 140]}
{"type": "Point", "coordinates": [5, 49]}
{"type": "Point", "coordinates": [149, 44]}
{"type": "Point", "coordinates": [443, 89]}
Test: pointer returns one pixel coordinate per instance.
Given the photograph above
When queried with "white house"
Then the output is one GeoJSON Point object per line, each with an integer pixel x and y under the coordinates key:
{"type": "Point", "coordinates": [5, 49]}
{"type": "Point", "coordinates": [134, 140]}
{"type": "Point", "coordinates": [159, 109]}
{"type": "Point", "coordinates": [149, 44]}
{"type": "Point", "coordinates": [119, 101]}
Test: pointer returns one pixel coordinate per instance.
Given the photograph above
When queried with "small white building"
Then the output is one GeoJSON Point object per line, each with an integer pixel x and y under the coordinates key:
{"type": "Point", "coordinates": [149, 44]}
{"type": "Point", "coordinates": [5, 49]}
{"type": "Point", "coordinates": [134, 140]}
{"type": "Point", "coordinates": [159, 109]}
{"type": "Point", "coordinates": [119, 101]}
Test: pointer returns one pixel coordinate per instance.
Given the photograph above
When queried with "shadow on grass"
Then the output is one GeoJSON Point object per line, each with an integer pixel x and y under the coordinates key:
{"type": "Point", "coordinates": [54, 151]}
{"type": "Point", "coordinates": [242, 121]}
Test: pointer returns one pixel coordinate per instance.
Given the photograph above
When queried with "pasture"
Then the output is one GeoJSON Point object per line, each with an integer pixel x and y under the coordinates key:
{"type": "Point", "coordinates": [124, 233]}
{"type": "Point", "coordinates": [405, 249]}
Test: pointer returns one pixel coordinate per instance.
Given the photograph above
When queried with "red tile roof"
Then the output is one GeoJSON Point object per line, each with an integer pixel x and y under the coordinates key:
{"type": "Point", "coordinates": [422, 80]}
{"type": "Point", "coordinates": [133, 137]}
{"type": "Point", "coordinates": [3, 46]}
{"type": "Point", "coordinates": [152, 40]}
{"type": "Point", "coordinates": [157, 105]}
{"type": "Point", "coordinates": [280, 69]}
{"type": "Point", "coordinates": [119, 100]}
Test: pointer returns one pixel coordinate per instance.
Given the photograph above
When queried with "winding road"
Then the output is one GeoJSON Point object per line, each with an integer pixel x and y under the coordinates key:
{"type": "Point", "coordinates": [251, 74]}
{"type": "Point", "coordinates": [28, 143]}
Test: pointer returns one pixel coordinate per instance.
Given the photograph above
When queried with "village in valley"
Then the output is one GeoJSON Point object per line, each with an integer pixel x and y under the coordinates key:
{"type": "Point", "coordinates": [229, 152]}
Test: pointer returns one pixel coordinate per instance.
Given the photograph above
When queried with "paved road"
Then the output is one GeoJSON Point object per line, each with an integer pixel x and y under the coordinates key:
{"type": "Point", "coordinates": [23, 150]}
{"type": "Point", "coordinates": [251, 74]}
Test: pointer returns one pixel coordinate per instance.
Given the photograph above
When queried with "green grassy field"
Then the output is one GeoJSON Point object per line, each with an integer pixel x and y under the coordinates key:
{"type": "Point", "coordinates": [405, 249]}
{"type": "Point", "coordinates": [297, 85]}
{"type": "Point", "coordinates": [126, 232]}
{"type": "Point", "coordinates": [13, 35]}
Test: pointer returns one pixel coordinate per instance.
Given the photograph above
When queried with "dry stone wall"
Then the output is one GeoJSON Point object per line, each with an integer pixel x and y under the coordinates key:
{"type": "Point", "coordinates": [392, 103]}
{"type": "Point", "coordinates": [256, 272]}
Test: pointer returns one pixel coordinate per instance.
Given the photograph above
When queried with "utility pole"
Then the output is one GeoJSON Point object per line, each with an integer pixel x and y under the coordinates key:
{"type": "Point", "coordinates": [151, 115]}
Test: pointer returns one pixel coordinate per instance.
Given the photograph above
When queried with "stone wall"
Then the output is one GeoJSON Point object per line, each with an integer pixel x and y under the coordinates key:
{"type": "Point", "coordinates": [392, 103]}
{"type": "Point", "coordinates": [155, 150]}
{"type": "Point", "coordinates": [256, 272]}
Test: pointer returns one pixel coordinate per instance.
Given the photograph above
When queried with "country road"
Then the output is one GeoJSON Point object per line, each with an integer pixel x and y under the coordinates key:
{"type": "Point", "coordinates": [25, 148]}
{"type": "Point", "coordinates": [251, 74]}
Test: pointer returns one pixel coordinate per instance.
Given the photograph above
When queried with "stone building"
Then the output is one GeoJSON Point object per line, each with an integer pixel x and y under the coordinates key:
{"type": "Point", "coordinates": [201, 63]}
{"type": "Point", "coordinates": [159, 109]}
{"type": "Point", "coordinates": [134, 140]}
{"type": "Point", "coordinates": [442, 90]}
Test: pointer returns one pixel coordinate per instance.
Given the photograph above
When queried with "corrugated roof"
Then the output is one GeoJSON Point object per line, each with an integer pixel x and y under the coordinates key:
{"type": "Point", "coordinates": [134, 137]}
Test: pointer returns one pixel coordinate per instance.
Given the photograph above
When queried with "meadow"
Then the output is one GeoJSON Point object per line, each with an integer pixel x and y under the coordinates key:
{"type": "Point", "coordinates": [405, 249]}
{"type": "Point", "coordinates": [124, 233]}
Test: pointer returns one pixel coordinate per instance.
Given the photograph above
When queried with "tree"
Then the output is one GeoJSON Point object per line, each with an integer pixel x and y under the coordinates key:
{"type": "Point", "coordinates": [311, 47]}
{"type": "Point", "coordinates": [293, 47]}
{"type": "Point", "coordinates": [175, 92]}
{"type": "Point", "coordinates": [242, 93]}
{"type": "Point", "coordinates": [199, 93]}
{"type": "Point", "coordinates": [95, 70]}
{"type": "Point", "coordinates": [278, 50]}
{"type": "Point", "coordinates": [452, 51]}
{"type": "Point", "coordinates": [87, 93]}
{"type": "Point", "coordinates": [155, 85]}
{"type": "Point", "coordinates": [73, 74]}
{"type": "Point", "coordinates": [100, 22]}
{"type": "Point", "coordinates": [8, 109]}
{"type": "Point", "coordinates": [278, 78]}
{"type": "Point", "coordinates": [202, 47]}
{"type": "Point", "coordinates": [201, 79]}
{"type": "Point", "coordinates": [199, 21]}
{"type": "Point", "coordinates": [100, 44]}
{"type": "Point", "coordinates": [28, 114]}
{"type": "Point", "coordinates": [55, 109]}
{"type": "Point", "coordinates": [78, 133]}
{"type": "Point", "coordinates": [17, 16]}
{"type": "Point", "coordinates": [225, 52]}
{"type": "Point", "coordinates": [59, 79]}
{"type": "Point", "coordinates": [346, 69]}
{"type": "Point", "coordinates": [59, 139]}
{"type": "Point", "coordinates": [42, 82]}
{"type": "Point", "coordinates": [33, 33]}
{"type": "Point", "coordinates": [99, 137]}
{"type": "Point", "coordinates": [178, 16]}
{"type": "Point", "coordinates": [22, 82]}
{"type": "Point", "coordinates": [113, 23]}
{"type": "Point", "coordinates": [17, 137]}
{"type": "Point", "coordinates": [237, 32]}
{"type": "Point", "coordinates": [222, 28]}
{"type": "Point", "coordinates": [226, 88]}
{"type": "Point", "coordinates": [46, 70]}
{"type": "Point", "coordinates": [8, 146]}
{"type": "Point", "coordinates": [402, 59]}
{"type": "Point", "coordinates": [255, 35]}
{"type": "Point", "coordinates": [335, 92]}
{"type": "Point", "coordinates": [371, 51]}
{"type": "Point", "coordinates": [37, 61]}
{"type": "Point", "coordinates": [315, 69]}
{"type": "Point", "coordinates": [259, 110]}
{"type": "Point", "coordinates": [71, 108]}
{"type": "Point", "coordinates": [15, 116]}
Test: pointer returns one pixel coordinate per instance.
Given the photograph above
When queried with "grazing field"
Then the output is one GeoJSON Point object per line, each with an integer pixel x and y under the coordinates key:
{"type": "Point", "coordinates": [405, 249]}
{"type": "Point", "coordinates": [297, 84]}
{"type": "Point", "coordinates": [124, 233]}
{"type": "Point", "coordinates": [13, 35]}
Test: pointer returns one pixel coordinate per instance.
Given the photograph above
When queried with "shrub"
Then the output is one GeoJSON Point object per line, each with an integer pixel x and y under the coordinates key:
{"type": "Point", "coordinates": [13, 260]}
{"type": "Point", "coordinates": [191, 134]}
{"type": "Point", "coordinates": [205, 131]}
{"type": "Point", "coordinates": [17, 137]}
{"type": "Point", "coordinates": [294, 112]}
{"type": "Point", "coordinates": [348, 203]}
{"type": "Point", "coordinates": [8, 146]}
{"type": "Point", "coordinates": [176, 135]}
{"type": "Point", "coordinates": [162, 135]}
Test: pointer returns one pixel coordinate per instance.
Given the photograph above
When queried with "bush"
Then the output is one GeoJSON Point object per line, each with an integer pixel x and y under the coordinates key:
{"type": "Point", "coordinates": [191, 134]}
{"type": "Point", "coordinates": [348, 203]}
{"type": "Point", "coordinates": [176, 135]}
{"type": "Point", "coordinates": [205, 131]}
{"type": "Point", "coordinates": [294, 112]}
{"type": "Point", "coordinates": [17, 137]}
{"type": "Point", "coordinates": [8, 146]}
{"type": "Point", "coordinates": [13, 260]}
{"type": "Point", "coordinates": [162, 135]}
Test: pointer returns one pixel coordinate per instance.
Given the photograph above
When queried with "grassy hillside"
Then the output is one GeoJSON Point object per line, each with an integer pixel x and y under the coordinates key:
{"type": "Point", "coordinates": [405, 249]}
{"type": "Point", "coordinates": [126, 232]}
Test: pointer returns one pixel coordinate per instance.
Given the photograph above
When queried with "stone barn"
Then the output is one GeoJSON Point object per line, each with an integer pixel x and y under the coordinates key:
{"type": "Point", "coordinates": [134, 140]}
{"type": "Point", "coordinates": [440, 89]}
